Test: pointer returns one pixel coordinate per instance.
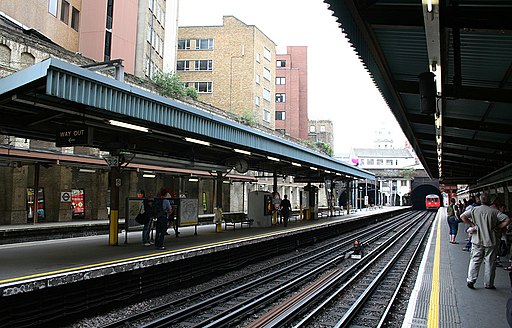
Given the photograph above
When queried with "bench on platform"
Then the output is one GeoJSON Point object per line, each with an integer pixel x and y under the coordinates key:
{"type": "Point", "coordinates": [232, 218]}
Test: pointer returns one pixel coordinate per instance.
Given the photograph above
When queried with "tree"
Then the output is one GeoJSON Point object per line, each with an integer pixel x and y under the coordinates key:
{"type": "Point", "coordinates": [170, 85]}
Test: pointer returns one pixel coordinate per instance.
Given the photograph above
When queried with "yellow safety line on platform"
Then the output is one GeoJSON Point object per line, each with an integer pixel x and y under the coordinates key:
{"type": "Point", "coordinates": [142, 257]}
{"type": "Point", "coordinates": [433, 311]}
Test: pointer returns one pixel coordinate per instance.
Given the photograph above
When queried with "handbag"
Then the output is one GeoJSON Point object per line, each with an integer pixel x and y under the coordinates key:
{"type": "Point", "coordinates": [141, 217]}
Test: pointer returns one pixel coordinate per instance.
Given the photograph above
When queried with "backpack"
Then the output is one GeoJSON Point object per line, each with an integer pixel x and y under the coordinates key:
{"type": "Point", "coordinates": [158, 208]}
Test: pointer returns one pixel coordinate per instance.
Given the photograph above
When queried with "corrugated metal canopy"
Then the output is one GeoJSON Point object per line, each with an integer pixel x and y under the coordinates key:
{"type": "Point", "coordinates": [471, 42]}
{"type": "Point", "coordinates": [53, 95]}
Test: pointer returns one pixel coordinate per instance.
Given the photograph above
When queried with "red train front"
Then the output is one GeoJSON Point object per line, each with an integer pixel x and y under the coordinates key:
{"type": "Point", "coordinates": [432, 202]}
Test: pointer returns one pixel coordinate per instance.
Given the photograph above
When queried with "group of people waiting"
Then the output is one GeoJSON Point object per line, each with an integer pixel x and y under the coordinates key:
{"type": "Point", "coordinates": [161, 212]}
{"type": "Point", "coordinates": [486, 222]}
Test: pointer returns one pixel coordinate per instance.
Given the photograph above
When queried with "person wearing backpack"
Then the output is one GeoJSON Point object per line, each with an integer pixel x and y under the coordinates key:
{"type": "Point", "coordinates": [162, 209]}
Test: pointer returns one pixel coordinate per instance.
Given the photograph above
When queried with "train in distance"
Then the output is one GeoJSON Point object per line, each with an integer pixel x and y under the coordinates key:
{"type": "Point", "coordinates": [432, 202]}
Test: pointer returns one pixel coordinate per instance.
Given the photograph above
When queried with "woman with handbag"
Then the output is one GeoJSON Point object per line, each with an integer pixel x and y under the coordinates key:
{"type": "Point", "coordinates": [453, 222]}
{"type": "Point", "coordinates": [147, 206]}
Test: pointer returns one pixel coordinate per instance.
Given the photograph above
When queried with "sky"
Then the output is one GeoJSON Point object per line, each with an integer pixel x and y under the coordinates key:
{"type": "Point", "coordinates": [339, 88]}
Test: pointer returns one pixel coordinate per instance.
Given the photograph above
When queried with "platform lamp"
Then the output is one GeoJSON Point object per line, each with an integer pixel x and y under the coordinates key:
{"type": "Point", "coordinates": [427, 86]}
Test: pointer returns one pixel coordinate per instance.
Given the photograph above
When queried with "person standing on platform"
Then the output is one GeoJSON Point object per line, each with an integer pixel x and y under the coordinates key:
{"type": "Point", "coordinates": [162, 212]}
{"type": "Point", "coordinates": [452, 221]}
{"type": "Point", "coordinates": [470, 204]}
{"type": "Point", "coordinates": [484, 221]}
{"type": "Point", "coordinates": [286, 208]}
{"type": "Point", "coordinates": [147, 203]}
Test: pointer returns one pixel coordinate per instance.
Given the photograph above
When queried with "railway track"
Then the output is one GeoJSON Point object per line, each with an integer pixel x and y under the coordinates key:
{"type": "Point", "coordinates": [272, 292]}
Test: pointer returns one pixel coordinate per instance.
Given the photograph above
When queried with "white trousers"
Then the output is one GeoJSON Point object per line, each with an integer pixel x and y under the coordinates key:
{"type": "Point", "coordinates": [487, 255]}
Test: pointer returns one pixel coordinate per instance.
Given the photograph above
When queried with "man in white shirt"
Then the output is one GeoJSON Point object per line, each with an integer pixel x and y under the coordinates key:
{"type": "Point", "coordinates": [484, 221]}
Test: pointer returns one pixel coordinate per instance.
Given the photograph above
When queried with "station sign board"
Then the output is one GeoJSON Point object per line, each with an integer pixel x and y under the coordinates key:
{"type": "Point", "coordinates": [65, 196]}
{"type": "Point", "coordinates": [82, 136]}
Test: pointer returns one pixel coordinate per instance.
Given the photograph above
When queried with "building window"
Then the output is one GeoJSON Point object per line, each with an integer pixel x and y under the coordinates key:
{"type": "Point", "coordinates": [280, 80]}
{"type": "Point", "coordinates": [322, 128]}
{"type": "Point", "coordinates": [280, 97]}
{"type": "Point", "coordinates": [282, 131]}
{"type": "Point", "coordinates": [75, 18]}
{"type": "Point", "coordinates": [108, 44]}
{"type": "Point", "coordinates": [158, 12]}
{"type": "Point", "coordinates": [280, 115]}
{"type": "Point", "coordinates": [258, 57]}
{"type": "Point", "coordinates": [266, 73]}
{"type": "Point", "coordinates": [52, 7]}
{"type": "Point", "coordinates": [370, 161]}
{"type": "Point", "coordinates": [183, 44]}
{"type": "Point", "coordinates": [361, 161]}
{"type": "Point", "coordinates": [182, 65]}
{"type": "Point", "coordinates": [204, 44]}
{"type": "Point", "coordinates": [64, 12]}
{"type": "Point", "coordinates": [403, 183]}
{"type": "Point", "coordinates": [110, 14]}
{"type": "Point", "coordinates": [311, 128]}
{"type": "Point", "coordinates": [266, 94]}
{"type": "Point", "coordinates": [201, 87]}
{"type": "Point", "coordinates": [389, 162]}
{"type": "Point", "coordinates": [380, 162]}
{"type": "Point", "coordinates": [257, 78]}
{"type": "Point", "coordinates": [161, 46]}
{"type": "Point", "coordinates": [257, 100]}
{"type": "Point", "coordinates": [281, 63]}
{"type": "Point", "coordinates": [266, 54]}
{"type": "Point", "coordinates": [203, 65]}
{"type": "Point", "coordinates": [266, 115]}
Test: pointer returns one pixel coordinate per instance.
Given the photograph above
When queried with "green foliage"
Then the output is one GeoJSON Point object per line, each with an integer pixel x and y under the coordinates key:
{"type": "Point", "coordinates": [191, 92]}
{"type": "Point", "coordinates": [324, 148]}
{"type": "Point", "coordinates": [248, 117]}
{"type": "Point", "coordinates": [319, 146]}
{"type": "Point", "coordinates": [408, 173]}
{"type": "Point", "coordinates": [170, 85]}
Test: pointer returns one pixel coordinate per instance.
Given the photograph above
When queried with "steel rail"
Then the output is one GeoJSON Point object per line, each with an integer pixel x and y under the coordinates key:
{"type": "Point", "coordinates": [235, 312]}
{"type": "Point", "coordinates": [359, 267]}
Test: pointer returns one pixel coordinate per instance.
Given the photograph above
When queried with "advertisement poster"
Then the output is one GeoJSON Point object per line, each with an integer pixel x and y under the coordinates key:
{"type": "Point", "coordinates": [134, 207]}
{"type": "Point", "coordinates": [268, 206]}
{"type": "Point", "coordinates": [40, 204]}
{"type": "Point", "coordinates": [189, 210]}
{"type": "Point", "coordinates": [77, 203]}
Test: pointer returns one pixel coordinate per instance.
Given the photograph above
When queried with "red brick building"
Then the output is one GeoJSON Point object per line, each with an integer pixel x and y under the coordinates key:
{"type": "Point", "coordinates": [292, 92]}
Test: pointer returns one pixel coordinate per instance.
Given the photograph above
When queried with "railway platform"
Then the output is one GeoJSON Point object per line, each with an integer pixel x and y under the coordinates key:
{"type": "Point", "coordinates": [441, 297]}
{"type": "Point", "coordinates": [39, 264]}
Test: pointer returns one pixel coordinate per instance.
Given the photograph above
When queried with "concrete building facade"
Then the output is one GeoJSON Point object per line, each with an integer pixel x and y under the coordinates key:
{"type": "Point", "coordinates": [292, 92]}
{"type": "Point", "coordinates": [231, 66]}
{"type": "Point", "coordinates": [140, 32]}
{"type": "Point", "coordinates": [58, 20]}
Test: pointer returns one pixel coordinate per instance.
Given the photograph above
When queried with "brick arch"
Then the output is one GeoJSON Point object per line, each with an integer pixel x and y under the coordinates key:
{"type": "Point", "coordinates": [27, 59]}
{"type": "Point", "coordinates": [5, 55]}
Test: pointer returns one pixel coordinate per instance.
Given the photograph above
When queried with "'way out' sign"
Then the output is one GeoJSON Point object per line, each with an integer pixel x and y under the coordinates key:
{"type": "Point", "coordinates": [74, 137]}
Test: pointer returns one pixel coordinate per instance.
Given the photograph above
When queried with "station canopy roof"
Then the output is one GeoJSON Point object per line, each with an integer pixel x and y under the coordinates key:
{"type": "Point", "coordinates": [467, 44]}
{"type": "Point", "coordinates": [53, 96]}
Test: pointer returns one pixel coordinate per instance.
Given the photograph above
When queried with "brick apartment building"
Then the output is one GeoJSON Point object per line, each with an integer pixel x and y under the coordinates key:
{"type": "Point", "coordinates": [292, 92]}
{"type": "Point", "coordinates": [231, 66]}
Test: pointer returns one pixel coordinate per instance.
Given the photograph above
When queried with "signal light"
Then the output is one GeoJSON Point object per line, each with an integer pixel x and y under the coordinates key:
{"type": "Point", "coordinates": [357, 250]}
